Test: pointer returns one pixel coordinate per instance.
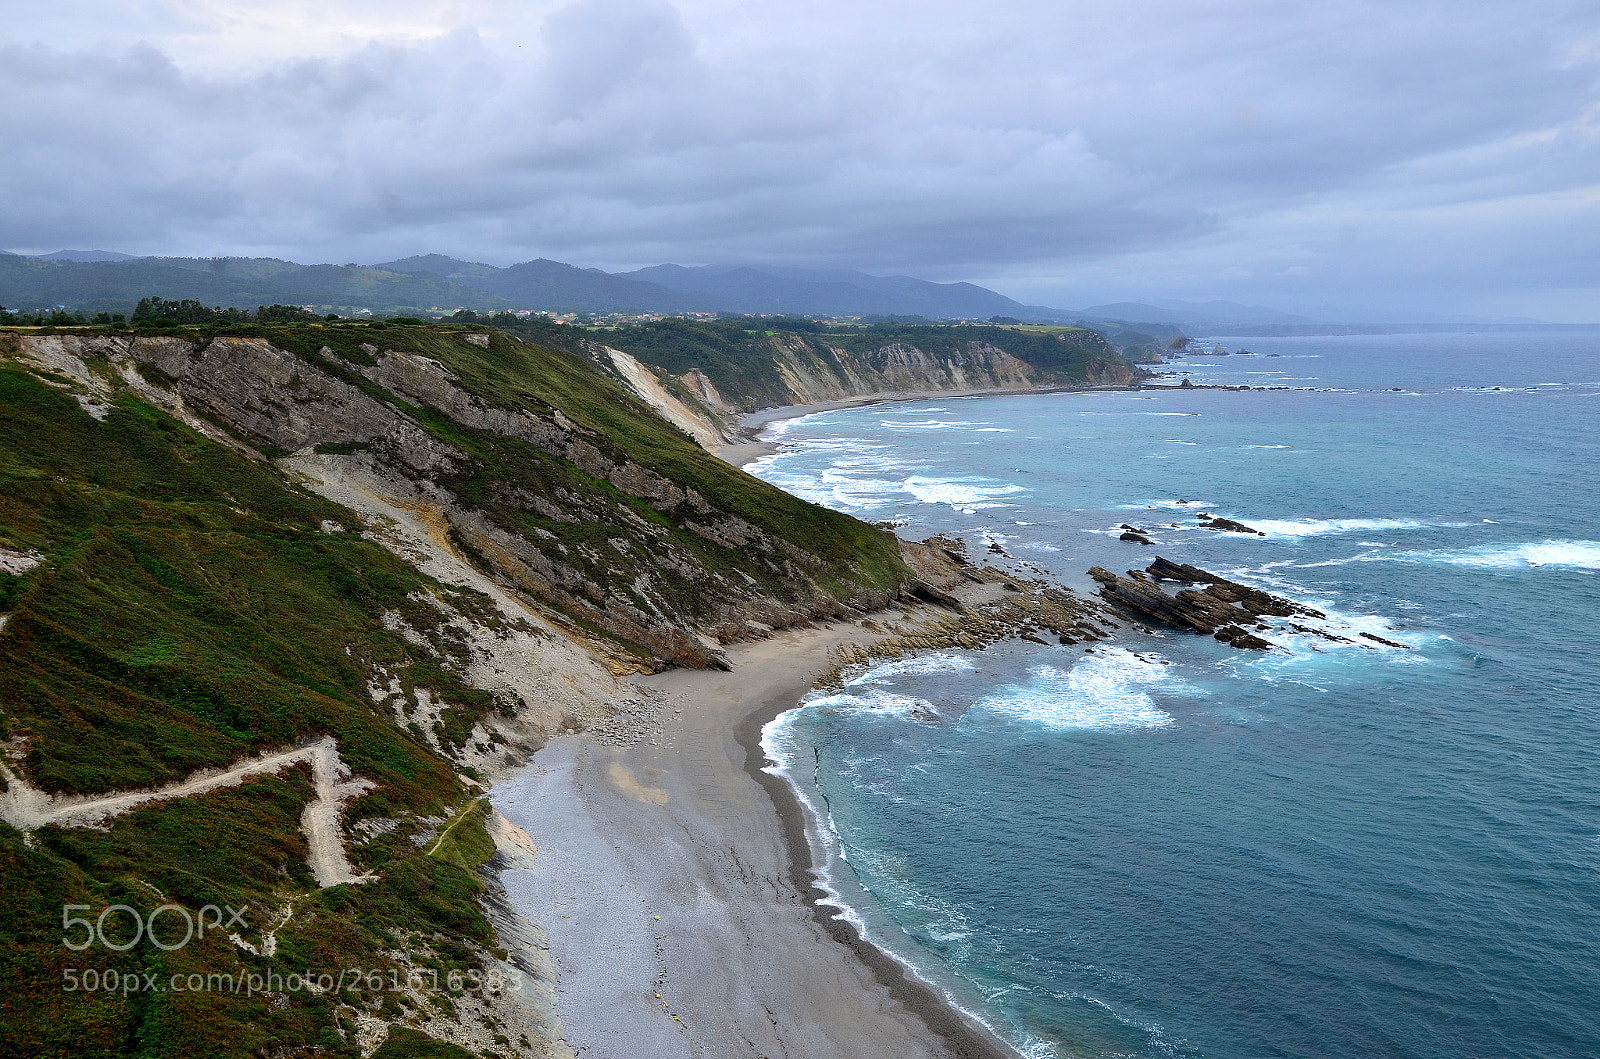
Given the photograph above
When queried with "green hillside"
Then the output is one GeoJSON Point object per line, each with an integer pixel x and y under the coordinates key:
{"type": "Point", "coordinates": [192, 604]}
{"type": "Point", "coordinates": [189, 609]}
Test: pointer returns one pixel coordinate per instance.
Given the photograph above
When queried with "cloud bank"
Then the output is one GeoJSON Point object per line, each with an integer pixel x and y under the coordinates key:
{"type": "Point", "coordinates": [1352, 156]}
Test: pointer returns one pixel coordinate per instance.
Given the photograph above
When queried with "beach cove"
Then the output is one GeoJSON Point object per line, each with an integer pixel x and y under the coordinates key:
{"type": "Point", "coordinates": [673, 879]}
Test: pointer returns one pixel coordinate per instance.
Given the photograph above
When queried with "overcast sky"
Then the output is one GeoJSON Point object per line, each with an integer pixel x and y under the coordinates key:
{"type": "Point", "coordinates": [1329, 157]}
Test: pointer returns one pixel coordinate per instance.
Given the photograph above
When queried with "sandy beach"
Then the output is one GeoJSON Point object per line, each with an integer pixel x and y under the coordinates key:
{"type": "Point", "coordinates": [672, 880]}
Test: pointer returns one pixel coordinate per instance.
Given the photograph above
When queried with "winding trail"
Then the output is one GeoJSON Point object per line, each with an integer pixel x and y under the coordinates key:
{"type": "Point", "coordinates": [26, 808]}
{"type": "Point", "coordinates": [460, 816]}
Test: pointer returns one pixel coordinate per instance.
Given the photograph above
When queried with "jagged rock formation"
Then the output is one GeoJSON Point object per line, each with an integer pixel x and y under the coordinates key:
{"type": "Point", "coordinates": [1223, 609]}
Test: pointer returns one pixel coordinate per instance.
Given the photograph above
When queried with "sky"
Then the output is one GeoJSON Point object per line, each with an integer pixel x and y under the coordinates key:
{"type": "Point", "coordinates": [1339, 159]}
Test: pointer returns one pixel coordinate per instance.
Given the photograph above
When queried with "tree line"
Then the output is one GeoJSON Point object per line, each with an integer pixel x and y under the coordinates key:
{"type": "Point", "coordinates": [160, 312]}
{"type": "Point", "coordinates": [156, 311]}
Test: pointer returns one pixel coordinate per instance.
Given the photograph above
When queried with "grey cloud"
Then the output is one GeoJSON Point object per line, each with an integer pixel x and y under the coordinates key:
{"type": "Point", "coordinates": [595, 48]}
{"type": "Point", "coordinates": [1067, 153]}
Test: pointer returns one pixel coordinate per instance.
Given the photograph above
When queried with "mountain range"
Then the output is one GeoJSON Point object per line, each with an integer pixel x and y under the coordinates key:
{"type": "Point", "coordinates": [107, 281]}
{"type": "Point", "coordinates": [98, 280]}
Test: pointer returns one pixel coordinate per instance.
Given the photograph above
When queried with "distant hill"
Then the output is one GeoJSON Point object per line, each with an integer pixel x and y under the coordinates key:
{"type": "Point", "coordinates": [29, 283]}
{"type": "Point", "coordinates": [109, 281]}
{"type": "Point", "coordinates": [105, 281]}
{"type": "Point", "coordinates": [840, 292]}
{"type": "Point", "coordinates": [86, 255]}
{"type": "Point", "coordinates": [545, 284]}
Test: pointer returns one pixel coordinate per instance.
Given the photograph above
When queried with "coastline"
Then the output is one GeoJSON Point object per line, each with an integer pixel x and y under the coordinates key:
{"type": "Point", "coordinates": [965, 1037]}
{"type": "Point", "coordinates": [674, 880]}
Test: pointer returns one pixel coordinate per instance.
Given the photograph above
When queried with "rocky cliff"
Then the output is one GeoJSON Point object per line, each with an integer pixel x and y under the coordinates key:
{"type": "Point", "coordinates": [708, 371]}
{"type": "Point", "coordinates": [545, 475]}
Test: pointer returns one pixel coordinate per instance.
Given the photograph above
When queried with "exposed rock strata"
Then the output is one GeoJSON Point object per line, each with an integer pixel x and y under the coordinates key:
{"type": "Point", "coordinates": [989, 605]}
{"type": "Point", "coordinates": [813, 372]}
{"type": "Point", "coordinates": [1223, 609]}
{"type": "Point", "coordinates": [282, 402]}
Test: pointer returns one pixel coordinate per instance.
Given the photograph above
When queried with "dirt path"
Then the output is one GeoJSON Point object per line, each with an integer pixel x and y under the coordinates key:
{"type": "Point", "coordinates": [26, 808]}
{"type": "Point", "coordinates": [460, 816]}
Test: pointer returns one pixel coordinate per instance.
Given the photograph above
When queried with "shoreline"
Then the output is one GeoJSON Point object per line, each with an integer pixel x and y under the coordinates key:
{"type": "Point", "coordinates": [674, 879]}
{"type": "Point", "coordinates": [937, 1011]}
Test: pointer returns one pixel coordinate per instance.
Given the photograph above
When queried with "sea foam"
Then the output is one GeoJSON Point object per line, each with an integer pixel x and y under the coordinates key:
{"type": "Point", "coordinates": [1319, 527]}
{"type": "Point", "coordinates": [1104, 691]}
{"type": "Point", "coordinates": [940, 662]}
{"type": "Point", "coordinates": [967, 495]}
{"type": "Point", "coordinates": [1583, 555]}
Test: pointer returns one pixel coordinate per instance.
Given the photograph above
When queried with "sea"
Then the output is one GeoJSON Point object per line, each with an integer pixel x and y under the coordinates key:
{"type": "Point", "coordinates": [1160, 845]}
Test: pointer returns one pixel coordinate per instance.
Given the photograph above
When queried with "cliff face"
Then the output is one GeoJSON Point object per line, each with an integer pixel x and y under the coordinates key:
{"type": "Point", "coordinates": [541, 472]}
{"type": "Point", "coordinates": [831, 373]}
{"type": "Point", "coordinates": [700, 374]}
{"type": "Point", "coordinates": [795, 367]}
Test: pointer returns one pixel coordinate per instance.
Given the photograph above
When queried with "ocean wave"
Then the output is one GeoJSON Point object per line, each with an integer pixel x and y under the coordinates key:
{"type": "Point", "coordinates": [847, 495]}
{"type": "Point", "coordinates": [932, 424]}
{"type": "Point", "coordinates": [868, 701]}
{"type": "Point", "coordinates": [869, 459]}
{"type": "Point", "coordinates": [967, 495]}
{"type": "Point", "coordinates": [1321, 527]}
{"type": "Point", "coordinates": [939, 662]}
{"type": "Point", "coordinates": [779, 427]}
{"type": "Point", "coordinates": [1582, 555]}
{"type": "Point", "coordinates": [850, 492]}
{"type": "Point", "coordinates": [1103, 691]}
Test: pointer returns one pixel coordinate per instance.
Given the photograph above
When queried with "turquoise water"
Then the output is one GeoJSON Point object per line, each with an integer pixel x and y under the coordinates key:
{"type": "Point", "coordinates": [1170, 847]}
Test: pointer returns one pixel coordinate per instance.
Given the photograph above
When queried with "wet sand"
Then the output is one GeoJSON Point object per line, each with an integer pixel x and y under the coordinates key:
{"type": "Point", "coordinates": [685, 827]}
